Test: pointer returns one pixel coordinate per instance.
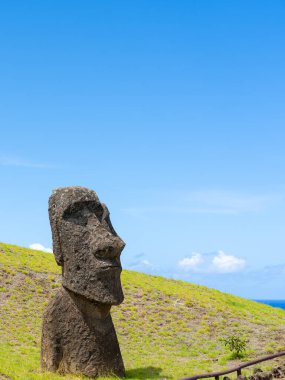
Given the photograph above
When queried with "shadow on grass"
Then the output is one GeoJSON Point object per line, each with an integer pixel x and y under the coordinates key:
{"type": "Point", "coordinates": [144, 373]}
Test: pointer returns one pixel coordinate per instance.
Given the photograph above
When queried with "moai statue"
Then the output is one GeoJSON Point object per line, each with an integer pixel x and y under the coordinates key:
{"type": "Point", "coordinates": [78, 334]}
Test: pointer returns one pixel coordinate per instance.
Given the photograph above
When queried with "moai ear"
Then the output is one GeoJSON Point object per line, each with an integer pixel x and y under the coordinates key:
{"type": "Point", "coordinates": [54, 230]}
{"type": "Point", "coordinates": [56, 245]}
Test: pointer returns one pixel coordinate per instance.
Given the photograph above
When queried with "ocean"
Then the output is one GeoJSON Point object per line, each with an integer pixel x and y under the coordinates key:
{"type": "Point", "coordinates": [274, 303]}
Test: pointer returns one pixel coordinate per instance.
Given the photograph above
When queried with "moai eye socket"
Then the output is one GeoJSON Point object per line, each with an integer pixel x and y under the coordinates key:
{"type": "Point", "coordinates": [80, 212]}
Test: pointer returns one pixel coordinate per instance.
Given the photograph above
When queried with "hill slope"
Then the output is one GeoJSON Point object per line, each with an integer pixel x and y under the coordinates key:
{"type": "Point", "coordinates": [166, 328]}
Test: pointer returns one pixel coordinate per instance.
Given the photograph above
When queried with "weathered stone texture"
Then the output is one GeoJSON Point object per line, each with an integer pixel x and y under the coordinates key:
{"type": "Point", "coordinates": [78, 333]}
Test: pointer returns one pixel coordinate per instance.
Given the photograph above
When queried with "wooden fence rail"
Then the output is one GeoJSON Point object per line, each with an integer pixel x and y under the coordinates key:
{"type": "Point", "coordinates": [237, 369]}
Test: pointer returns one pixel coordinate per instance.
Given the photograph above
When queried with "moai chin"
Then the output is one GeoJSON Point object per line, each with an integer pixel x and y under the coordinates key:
{"type": "Point", "coordinates": [78, 334]}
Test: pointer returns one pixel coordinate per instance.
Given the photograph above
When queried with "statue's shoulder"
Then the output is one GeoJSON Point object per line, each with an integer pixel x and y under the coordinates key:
{"type": "Point", "coordinates": [57, 306]}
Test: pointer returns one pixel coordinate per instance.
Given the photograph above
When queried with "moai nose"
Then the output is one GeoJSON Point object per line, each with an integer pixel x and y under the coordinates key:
{"type": "Point", "coordinates": [109, 247]}
{"type": "Point", "coordinates": [114, 249]}
{"type": "Point", "coordinates": [120, 244]}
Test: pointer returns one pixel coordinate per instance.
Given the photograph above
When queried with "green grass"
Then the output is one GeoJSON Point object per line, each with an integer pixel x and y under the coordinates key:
{"type": "Point", "coordinates": [166, 328]}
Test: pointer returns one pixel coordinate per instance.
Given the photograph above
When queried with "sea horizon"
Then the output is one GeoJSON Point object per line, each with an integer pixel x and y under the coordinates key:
{"type": "Point", "coordinates": [274, 303]}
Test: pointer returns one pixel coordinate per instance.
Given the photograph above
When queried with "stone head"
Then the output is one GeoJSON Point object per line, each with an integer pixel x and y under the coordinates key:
{"type": "Point", "coordinates": [86, 245]}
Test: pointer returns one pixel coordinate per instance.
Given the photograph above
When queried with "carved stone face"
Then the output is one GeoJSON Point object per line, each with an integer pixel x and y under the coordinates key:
{"type": "Point", "coordinates": [86, 245]}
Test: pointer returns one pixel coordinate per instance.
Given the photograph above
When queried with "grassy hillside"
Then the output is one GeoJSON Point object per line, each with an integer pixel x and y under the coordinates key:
{"type": "Point", "coordinates": [166, 328]}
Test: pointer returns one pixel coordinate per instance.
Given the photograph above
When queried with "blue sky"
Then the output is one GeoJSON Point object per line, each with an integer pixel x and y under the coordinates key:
{"type": "Point", "coordinates": [173, 112]}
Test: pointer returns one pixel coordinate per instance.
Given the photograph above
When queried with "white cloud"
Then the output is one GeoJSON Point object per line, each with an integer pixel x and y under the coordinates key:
{"type": "Point", "coordinates": [219, 202]}
{"type": "Point", "coordinates": [40, 247]}
{"type": "Point", "coordinates": [146, 263]}
{"type": "Point", "coordinates": [140, 263]}
{"type": "Point", "coordinates": [223, 263]}
{"type": "Point", "coordinates": [227, 202]}
{"type": "Point", "coordinates": [216, 262]}
{"type": "Point", "coordinates": [20, 162]}
{"type": "Point", "coordinates": [191, 263]}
